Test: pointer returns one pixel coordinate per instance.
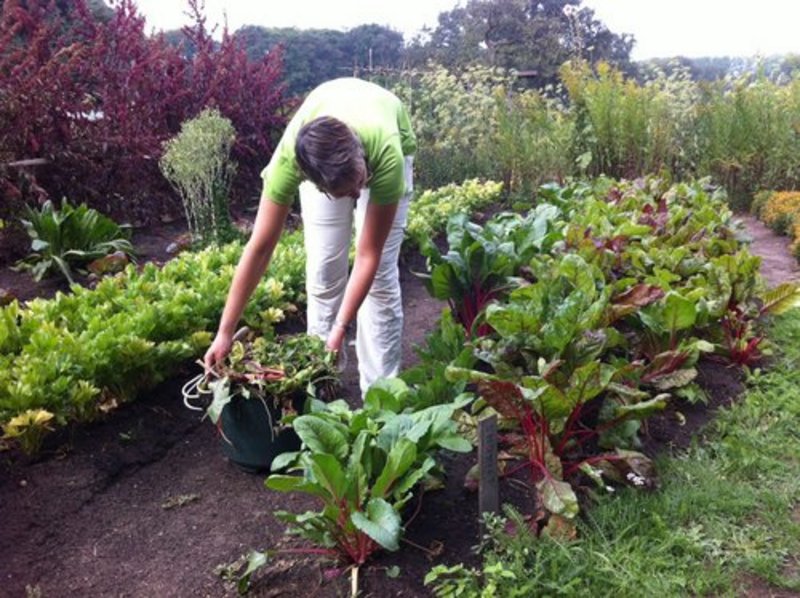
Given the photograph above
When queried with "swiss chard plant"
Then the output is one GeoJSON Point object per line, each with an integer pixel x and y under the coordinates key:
{"type": "Point", "coordinates": [278, 371]}
{"type": "Point", "coordinates": [447, 344]}
{"type": "Point", "coordinates": [363, 467]}
{"type": "Point", "coordinates": [482, 263]}
{"type": "Point", "coordinates": [559, 373]}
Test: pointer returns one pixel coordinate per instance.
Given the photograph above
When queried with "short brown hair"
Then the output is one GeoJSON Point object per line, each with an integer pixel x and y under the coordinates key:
{"type": "Point", "coordinates": [329, 153]}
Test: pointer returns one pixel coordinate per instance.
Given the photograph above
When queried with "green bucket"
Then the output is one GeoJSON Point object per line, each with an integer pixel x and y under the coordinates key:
{"type": "Point", "coordinates": [248, 435]}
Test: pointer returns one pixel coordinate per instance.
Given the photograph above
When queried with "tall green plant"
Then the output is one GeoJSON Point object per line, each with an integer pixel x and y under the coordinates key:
{"type": "Point", "coordinates": [454, 115]}
{"type": "Point", "coordinates": [197, 163]}
{"type": "Point", "coordinates": [531, 140]}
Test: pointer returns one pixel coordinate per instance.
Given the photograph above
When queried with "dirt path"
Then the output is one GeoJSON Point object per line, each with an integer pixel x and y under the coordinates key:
{"type": "Point", "coordinates": [778, 264]}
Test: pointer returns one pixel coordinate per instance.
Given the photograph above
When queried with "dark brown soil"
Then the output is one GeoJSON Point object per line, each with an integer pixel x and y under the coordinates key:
{"type": "Point", "coordinates": [99, 512]}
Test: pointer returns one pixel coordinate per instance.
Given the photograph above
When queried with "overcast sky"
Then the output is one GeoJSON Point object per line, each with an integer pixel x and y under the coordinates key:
{"type": "Point", "coordinates": [661, 27]}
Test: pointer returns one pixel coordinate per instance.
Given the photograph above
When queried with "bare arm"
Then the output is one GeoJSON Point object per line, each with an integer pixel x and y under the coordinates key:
{"type": "Point", "coordinates": [252, 265]}
{"type": "Point", "coordinates": [377, 226]}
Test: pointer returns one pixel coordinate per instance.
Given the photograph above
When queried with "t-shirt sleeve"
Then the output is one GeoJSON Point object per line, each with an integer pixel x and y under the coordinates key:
{"type": "Point", "coordinates": [282, 176]}
{"type": "Point", "coordinates": [407, 138]}
{"type": "Point", "coordinates": [387, 183]}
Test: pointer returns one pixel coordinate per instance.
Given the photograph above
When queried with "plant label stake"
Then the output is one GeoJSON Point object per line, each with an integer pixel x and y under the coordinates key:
{"type": "Point", "coordinates": [488, 488]}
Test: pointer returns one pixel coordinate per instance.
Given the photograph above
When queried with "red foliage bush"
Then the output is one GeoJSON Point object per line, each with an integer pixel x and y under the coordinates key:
{"type": "Point", "coordinates": [97, 99]}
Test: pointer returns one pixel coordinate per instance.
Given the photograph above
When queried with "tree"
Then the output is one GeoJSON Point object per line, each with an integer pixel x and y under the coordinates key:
{"type": "Point", "coordinates": [312, 56]}
{"type": "Point", "coordinates": [533, 37]}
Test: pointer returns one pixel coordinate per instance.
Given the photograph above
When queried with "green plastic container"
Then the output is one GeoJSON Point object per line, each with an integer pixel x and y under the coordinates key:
{"type": "Point", "coordinates": [247, 435]}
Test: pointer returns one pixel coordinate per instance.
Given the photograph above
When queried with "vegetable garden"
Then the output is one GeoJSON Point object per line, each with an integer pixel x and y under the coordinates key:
{"type": "Point", "coordinates": [641, 372]}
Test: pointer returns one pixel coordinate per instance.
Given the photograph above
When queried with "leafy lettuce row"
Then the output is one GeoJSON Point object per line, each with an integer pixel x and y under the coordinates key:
{"type": "Point", "coordinates": [84, 352]}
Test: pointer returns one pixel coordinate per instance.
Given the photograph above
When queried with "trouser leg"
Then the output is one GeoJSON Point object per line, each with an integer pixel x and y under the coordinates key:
{"type": "Point", "coordinates": [328, 230]}
{"type": "Point", "coordinates": [380, 319]}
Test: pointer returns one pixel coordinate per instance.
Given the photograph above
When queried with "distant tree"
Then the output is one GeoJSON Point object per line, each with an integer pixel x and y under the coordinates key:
{"type": "Point", "coordinates": [98, 8]}
{"type": "Point", "coordinates": [526, 35]}
{"type": "Point", "coordinates": [312, 56]}
{"type": "Point", "coordinates": [374, 46]}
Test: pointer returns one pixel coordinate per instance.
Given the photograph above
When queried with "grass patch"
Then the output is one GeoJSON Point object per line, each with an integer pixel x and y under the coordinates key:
{"type": "Point", "coordinates": [726, 513]}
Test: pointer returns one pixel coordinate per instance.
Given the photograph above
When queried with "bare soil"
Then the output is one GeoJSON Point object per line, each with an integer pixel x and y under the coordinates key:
{"type": "Point", "coordinates": [144, 504]}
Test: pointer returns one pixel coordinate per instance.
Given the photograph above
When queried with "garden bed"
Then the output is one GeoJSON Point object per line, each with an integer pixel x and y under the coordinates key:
{"type": "Point", "coordinates": [144, 504]}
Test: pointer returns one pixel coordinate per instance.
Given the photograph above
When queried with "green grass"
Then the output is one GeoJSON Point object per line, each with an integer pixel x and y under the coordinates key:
{"type": "Point", "coordinates": [727, 514]}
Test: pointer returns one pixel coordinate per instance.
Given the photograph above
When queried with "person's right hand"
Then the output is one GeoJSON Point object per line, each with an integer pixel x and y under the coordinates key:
{"type": "Point", "coordinates": [218, 350]}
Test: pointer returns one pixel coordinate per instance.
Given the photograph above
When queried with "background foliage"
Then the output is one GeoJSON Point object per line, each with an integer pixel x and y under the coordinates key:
{"type": "Point", "coordinates": [96, 98]}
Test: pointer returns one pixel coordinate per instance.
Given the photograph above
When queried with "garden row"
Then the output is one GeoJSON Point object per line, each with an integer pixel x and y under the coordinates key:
{"type": "Point", "coordinates": [80, 354]}
{"type": "Point", "coordinates": [573, 323]}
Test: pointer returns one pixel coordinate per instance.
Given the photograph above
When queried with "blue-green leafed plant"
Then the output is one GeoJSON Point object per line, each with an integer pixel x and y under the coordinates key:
{"type": "Point", "coordinates": [68, 238]}
{"type": "Point", "coordinates": [363, 466]}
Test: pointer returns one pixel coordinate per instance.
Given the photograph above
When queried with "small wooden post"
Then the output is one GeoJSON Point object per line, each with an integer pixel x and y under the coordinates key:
{"type": "Point", "coordinates": [488, 486]}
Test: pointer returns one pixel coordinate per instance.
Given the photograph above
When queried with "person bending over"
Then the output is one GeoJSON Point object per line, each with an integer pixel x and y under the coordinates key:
{"type": "Point", "coordinates": [349, 152]}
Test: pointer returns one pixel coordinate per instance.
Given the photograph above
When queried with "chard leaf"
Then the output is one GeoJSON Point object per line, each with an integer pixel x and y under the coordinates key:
{"type": "Point", "coordinates": [456, 374]}
{"type": "Point", "coordinates": [444, 284]}
{"type": "Point", "coordinates": [414, 477]}
{"type": "Point", "coordinates": [575, 269]}
{"type": "Point", "coordinates": [674, 379]}
{"type": "Point", "coordinates": [357, 452]}
{"type": "Point", "coordinates": [640, 295]}
{"type": "Point", "coordinates": [389, 394]}
{"type": "Point", "coordinates": [558, 497]}
{"type": "Point", "coordinates": [588, 381]}
{"type": "Point", "coordinates": [781, 299]}
{"type": "Point", "coordinates": [381, 523]}
{"type": "Point", "coordinates": [255, 560]}
{"type": "Point", "coordinates": [329, 474]}
{"type": "Point", "coordinates": [504, 397]}
{"type": "Point", "coordinates": [222, 396]}
{"type": "Point", "coordinates": [322, 436]}
{"type": "Point", "coordinates": [512, 319]}
{"type": "Point", "coordinates": [293, 483]}
{"type": "Point", "coordinates": [679, 313]}
{"type": "Point", "coordinates": [642, 409]}
{"type": "Point", "coordinates": [283, 460]}
{"type": "Point", "coordinates": [455, 443]}
{"type": "Point", "coordinates": [559, 331]}
{"type": "Point", "coordinates": [398, 462]}
{"type": "Point", "coordinates": [395, 428]}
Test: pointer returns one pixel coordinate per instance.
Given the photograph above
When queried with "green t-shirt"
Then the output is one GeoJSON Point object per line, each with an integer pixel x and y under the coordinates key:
{"type": "Point", "coordinates": [376, 115]}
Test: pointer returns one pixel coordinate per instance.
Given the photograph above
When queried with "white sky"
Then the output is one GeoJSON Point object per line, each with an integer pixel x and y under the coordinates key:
{"type": "Point", "coordinates": [661, 27]}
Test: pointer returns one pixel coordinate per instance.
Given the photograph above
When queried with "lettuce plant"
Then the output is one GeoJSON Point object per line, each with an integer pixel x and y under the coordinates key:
{"type": "Point", "coordinates": [83, 353]}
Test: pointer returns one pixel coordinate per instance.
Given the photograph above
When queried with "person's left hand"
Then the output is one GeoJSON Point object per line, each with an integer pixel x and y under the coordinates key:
{"type": "Point", "coordinates": [336, 339]}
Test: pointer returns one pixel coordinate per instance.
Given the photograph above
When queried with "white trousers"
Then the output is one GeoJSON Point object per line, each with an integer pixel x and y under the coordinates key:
{"type": "Point", "coordinates": [328, 231]}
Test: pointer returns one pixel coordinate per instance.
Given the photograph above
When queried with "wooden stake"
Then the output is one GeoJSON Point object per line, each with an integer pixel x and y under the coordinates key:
{"type": "Point", "coordinates": [488, 485]}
